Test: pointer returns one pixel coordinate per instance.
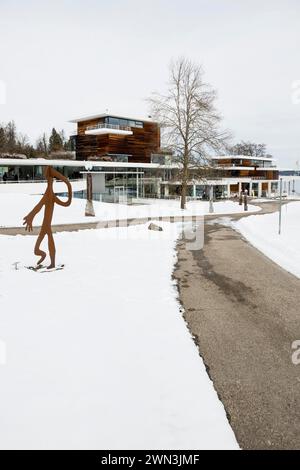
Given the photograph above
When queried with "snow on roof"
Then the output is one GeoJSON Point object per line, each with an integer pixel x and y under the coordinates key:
{"type": "Point", "coordinates": [244, 157]}
{"type": "Point", "coordinates": [102, 115]}
{"type": "Point", "coordinates": [80, 163]}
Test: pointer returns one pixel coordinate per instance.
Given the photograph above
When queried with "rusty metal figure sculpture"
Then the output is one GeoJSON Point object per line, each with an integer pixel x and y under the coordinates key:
{"type": "Point", "coordinates": [48, 200]}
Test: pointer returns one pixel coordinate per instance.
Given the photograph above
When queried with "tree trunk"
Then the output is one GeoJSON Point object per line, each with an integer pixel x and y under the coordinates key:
{"type": "Point", "coordinates": [184, 182]}
{"type": "Point", "coordinates": [89, 207]}
{"type": "Point", "coordinates": [183, 195]}
{"type": "Point", "coordinates": [211, 199]}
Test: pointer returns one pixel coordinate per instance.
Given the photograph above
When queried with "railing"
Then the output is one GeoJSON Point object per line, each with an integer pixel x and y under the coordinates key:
{"type": "Point", "coordinates": [250, 164]}
{"type": "Point", "coordinates": [35, 181]}
{"type": "Point", "coordinates": [108, 126]}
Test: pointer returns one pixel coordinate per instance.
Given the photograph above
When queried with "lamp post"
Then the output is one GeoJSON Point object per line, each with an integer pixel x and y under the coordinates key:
{"type": "Point", "coordinates": [245, 200]}
{"type": "Point", "coordinates": [280, 205]}
{"type": "Point", "coordinates": [241, 198]}
{"type": "Point", "coordinates": [211, 198]}
{"type": "Point", "coordinates": [89, 208]}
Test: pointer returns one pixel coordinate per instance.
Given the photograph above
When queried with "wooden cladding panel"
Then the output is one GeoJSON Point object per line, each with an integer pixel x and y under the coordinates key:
{"type": "Point", "coordinates": [141, 144]}
{"type": "Point", "coordinates": [265, 174]}
{"type": "Point", "coordinates": [81, 126]}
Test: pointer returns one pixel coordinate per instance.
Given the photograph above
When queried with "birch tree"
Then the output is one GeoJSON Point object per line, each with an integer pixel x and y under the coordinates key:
{"type": "Point", "coordinates": [190, 123]}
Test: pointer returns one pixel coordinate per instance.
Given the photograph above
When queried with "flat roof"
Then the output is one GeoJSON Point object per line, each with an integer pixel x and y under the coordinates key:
{"type": "Point", "coordinates": [251, 168]}
{"type": "Point", "coordinates": [102, 115]}
{"type": "Point", "coordinates": [242, 157]}
{"type": "Point", "coordinates": [102, 164]}
{"type": "Point", "coordinates": [79, 163]}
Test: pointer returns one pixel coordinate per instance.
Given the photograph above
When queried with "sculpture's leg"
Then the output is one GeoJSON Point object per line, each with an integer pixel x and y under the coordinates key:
{"type": "Point", "coordinates": [37, 250]}
{"type": "Point", "coordinates": [52, 251]}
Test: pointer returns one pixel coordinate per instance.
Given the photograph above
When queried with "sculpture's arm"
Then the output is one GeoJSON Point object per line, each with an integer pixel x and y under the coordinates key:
{"type": "Point", "coordinates": [56, 174]}
{"type": "Point", "coordinates": [28, 219]}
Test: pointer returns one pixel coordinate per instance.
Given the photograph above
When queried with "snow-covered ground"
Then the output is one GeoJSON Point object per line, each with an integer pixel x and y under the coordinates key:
{"type": "Point", "coordinates": [98, 354]}
{"type": "Point", "coordinates": [13, 207]}
{"type": "Point", "coordinates": [262, 232]}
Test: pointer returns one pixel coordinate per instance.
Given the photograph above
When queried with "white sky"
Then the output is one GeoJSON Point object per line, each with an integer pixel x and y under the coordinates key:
{"type": "Point", "coordinates": [62, 59]}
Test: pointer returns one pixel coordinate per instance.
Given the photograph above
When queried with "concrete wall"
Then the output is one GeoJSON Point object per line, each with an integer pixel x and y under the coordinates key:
{"type": "Point", "coordinates": [98, 183]}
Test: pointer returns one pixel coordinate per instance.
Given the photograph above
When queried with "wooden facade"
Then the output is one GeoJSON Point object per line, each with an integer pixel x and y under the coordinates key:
{"type": "Point", "coordinates": [139, 146]}
{"type": "Point", "coordinates": [256, 171]}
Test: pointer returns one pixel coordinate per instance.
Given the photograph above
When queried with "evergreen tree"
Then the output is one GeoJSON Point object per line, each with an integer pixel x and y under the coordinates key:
{"type": "Point", "coordinates": [3, 140]}
{"type": "Point", "coordinates": [11, 136]}
{"type": "Point", "coordinates": [13, 142]}
{"type": "Point", "coordinates": [55, 141]}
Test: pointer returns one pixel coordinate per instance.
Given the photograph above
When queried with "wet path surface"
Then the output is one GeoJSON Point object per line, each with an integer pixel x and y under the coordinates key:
{"type": "Point", "coordinates": [244, 313]}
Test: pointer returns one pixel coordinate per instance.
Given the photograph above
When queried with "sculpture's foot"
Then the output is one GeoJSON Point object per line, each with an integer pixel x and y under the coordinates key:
{"type": "Point", "coordinates": [41, 259]}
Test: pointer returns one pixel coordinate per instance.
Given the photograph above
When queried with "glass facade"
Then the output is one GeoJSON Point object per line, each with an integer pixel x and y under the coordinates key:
{"type": "Point", "coordinates": [247, 162]}
{"type": "Point", "coordinates": [118, 157]}
{"type": "Point", "coordinates": [73, 143]}
{"type": "Point", "coordinates": [123, 122]}
{"type": "Point", "coordinates": [35, 173]}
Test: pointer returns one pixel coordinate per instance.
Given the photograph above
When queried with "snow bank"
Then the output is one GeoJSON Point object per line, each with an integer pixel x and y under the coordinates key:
{"type": "Point", "coordinates": [98, 354]}
{"type": "Point", "coordinates": [262, 232]}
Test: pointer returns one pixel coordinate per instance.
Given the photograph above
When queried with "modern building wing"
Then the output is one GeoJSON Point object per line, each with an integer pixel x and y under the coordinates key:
{"type": "Point", "coordinates": [114, 181]}
{"type": "Point", "coordinates": [125, 157]}
{"type": "Point", "coordinates": [259, 175]}
{"type": "Point", "coordinates": [110, 137]}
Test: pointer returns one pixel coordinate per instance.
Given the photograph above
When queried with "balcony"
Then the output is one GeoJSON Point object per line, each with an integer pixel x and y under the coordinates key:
{"type": "Point", "coordinates": [103, 128]}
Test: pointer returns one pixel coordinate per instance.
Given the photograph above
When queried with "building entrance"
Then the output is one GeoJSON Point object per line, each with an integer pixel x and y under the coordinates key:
{"type": "Point", "coordinates": [120, 194]}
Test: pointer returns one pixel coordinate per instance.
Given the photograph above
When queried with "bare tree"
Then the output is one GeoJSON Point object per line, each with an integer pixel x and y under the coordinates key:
{"type": "Point", "coordinates": [250, 149]}
{"type": "Point", "coordinates": [42, 146]}
{"type": "Point", "coordinates": [189, 121]}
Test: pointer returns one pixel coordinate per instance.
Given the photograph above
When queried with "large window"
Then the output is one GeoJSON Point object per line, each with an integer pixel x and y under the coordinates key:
{"type": "Point", "coordinates": [123, 122]}
{"type": "Point", "coordinates": [73, 143]}
{"type": "Point", "coordinates": [117, 157]}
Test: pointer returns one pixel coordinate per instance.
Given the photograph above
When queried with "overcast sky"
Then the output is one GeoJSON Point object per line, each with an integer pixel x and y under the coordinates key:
{"type": "Point", "coordinates": [63, 59]}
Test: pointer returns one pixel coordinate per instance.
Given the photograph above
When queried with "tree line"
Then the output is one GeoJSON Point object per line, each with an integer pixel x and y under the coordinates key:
{"type": "Point", "coordinates": [250, 149]}
{"type": "Point", "coordinates": [13, 142]}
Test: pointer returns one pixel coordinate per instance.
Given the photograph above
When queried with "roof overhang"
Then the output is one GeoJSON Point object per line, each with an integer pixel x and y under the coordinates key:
{"type": "Point", "coordinates": [106, 130]}
{"type": "Point", "coordinates": [81, 163]}
{"type": "Point", "coordinates": [103, 115]}
{"type": "Point", "coordinates": [249, 168]}
{"type": "Point", "coordinates": [242, 157]}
